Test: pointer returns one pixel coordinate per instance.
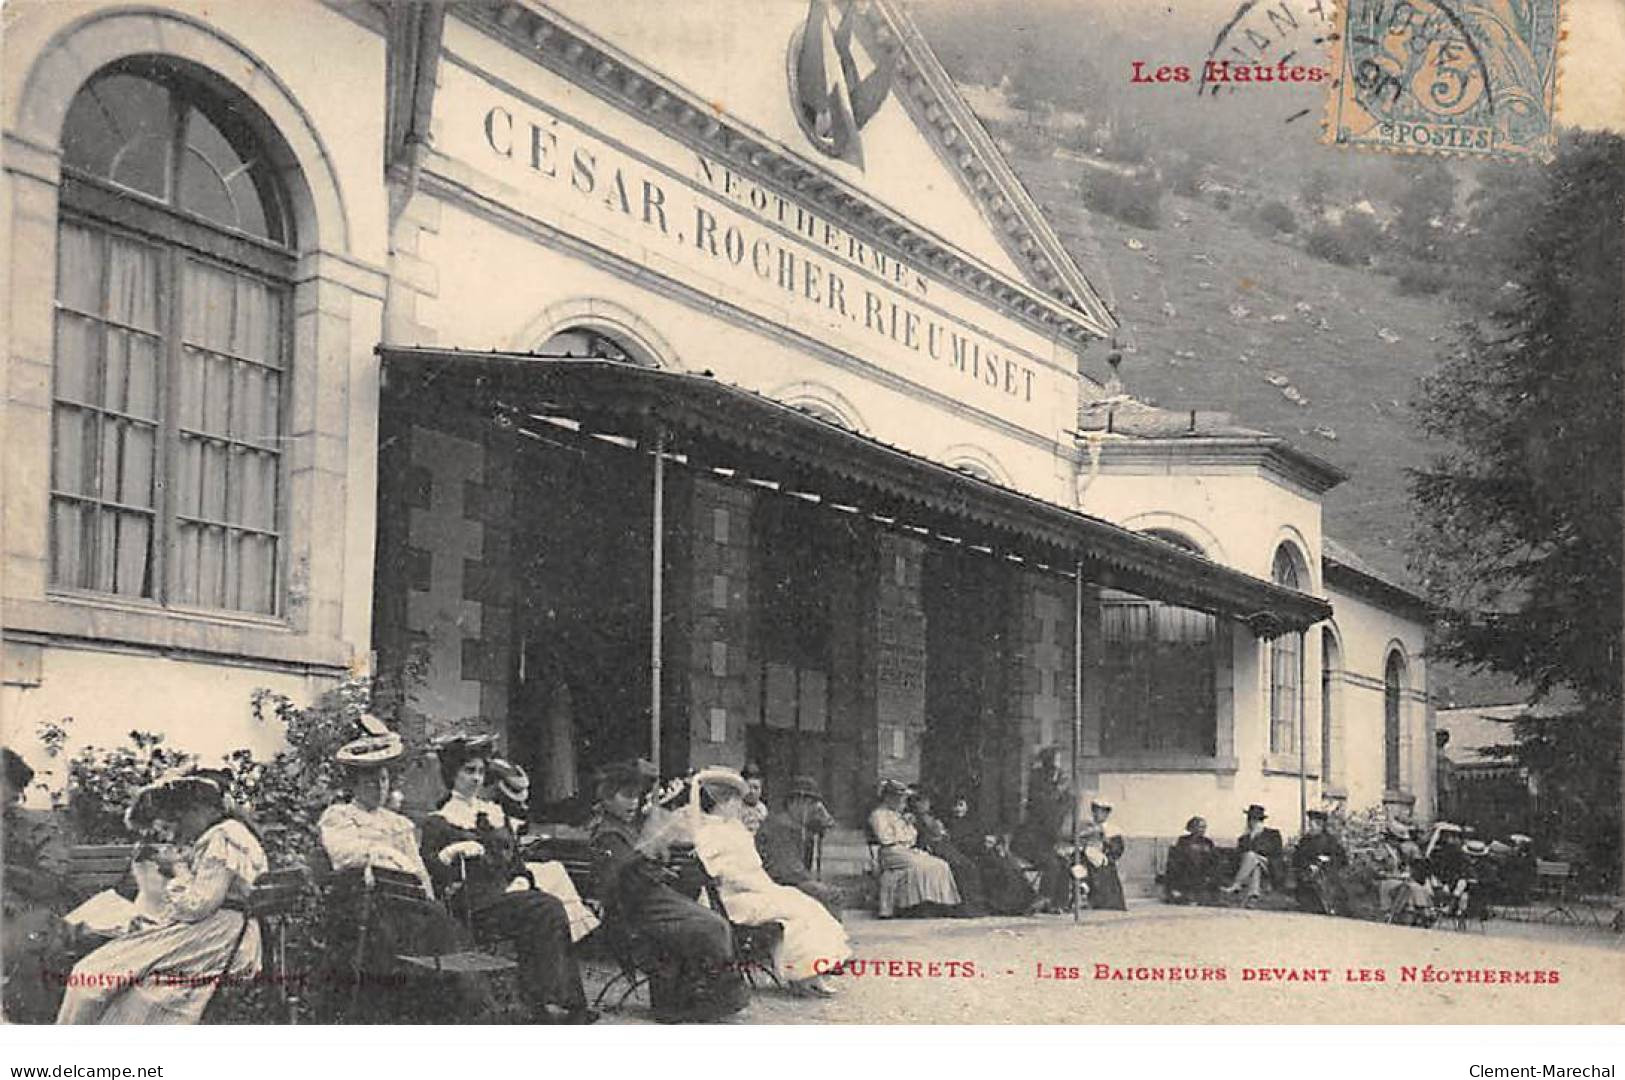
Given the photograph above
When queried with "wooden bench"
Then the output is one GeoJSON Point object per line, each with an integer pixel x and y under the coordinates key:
{"type": "Point", "coordinates": [93, 868]}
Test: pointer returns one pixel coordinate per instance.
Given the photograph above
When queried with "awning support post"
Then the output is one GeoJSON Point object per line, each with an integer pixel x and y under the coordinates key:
{"type": "Point", "coordinates": [657, 575]}
{"type": "Point", "coordinates": [1303, 747]}
{"type": "Point", "coordinates": [1077, 719]}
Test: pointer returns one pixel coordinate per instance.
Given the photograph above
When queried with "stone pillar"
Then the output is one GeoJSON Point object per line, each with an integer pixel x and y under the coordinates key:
{"type": "Point", "coordinates": [898, 659]}
{"type": "Point", "coordinates": [1041, 679]}
{"type": "Point", "coordinates": [720, 672]}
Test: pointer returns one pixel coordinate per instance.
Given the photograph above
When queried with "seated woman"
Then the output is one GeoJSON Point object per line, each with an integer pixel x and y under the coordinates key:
{"type": "Point", "coordinates": [1401, 870]}
{"type": "Point", "coordinates": [358, 836]}
{"type": "Point", "coordinates": [1004, 880]}
{"type": "Point", "coordinates": [34, 893]}
{"type": "Point", "coordinates": [934, 839]}
{"type": "Point", "coordinates": [472, 856]}
{"type": "Point", "coordinates": [686, 949]}
{"type": "Point", "coordinates": [205, 932]}
{"type": "Point", "coordinates": [728, 852]}
{"type": "Point", "coordinates": [510, 789]}
{"type": "Point", "coordinates": [909, 878]}
{"type": "Point", "coordinates": [1102, 846]}
{"type": "Point", "coordinates": [1193, 870]}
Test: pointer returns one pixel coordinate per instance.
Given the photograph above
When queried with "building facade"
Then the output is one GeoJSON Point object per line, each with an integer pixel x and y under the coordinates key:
{"type": "Point", "coordinates": [712, 391]}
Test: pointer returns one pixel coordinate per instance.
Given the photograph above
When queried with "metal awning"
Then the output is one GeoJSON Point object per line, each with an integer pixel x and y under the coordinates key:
{"type": "Point", "coordinates": [737, 433]}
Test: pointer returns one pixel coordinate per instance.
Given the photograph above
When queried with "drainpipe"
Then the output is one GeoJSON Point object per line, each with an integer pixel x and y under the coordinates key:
{"type": "Point", "coordinates": [1077, 713]}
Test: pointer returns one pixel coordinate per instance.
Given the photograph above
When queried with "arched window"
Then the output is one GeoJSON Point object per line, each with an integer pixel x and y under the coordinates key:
{"type": "Point", "coordinates": [1393, 686]}
{"type": "Point", "coordinates": [588, 344]}
{"type": "Point", "coordinates": [174, 260]}
{"type": "Point", "coordinates": [1286, 665]}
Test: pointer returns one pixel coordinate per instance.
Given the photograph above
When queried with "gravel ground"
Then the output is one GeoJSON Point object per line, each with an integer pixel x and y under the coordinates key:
{"type": "Point", "coordinates": [1003, 970]}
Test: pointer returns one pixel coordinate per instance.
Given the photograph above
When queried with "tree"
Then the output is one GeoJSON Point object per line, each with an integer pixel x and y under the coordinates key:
{"type": "Point", "coordinates": [1518, 520]}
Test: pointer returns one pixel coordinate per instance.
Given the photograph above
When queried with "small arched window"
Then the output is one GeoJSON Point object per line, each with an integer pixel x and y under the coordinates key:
{"type": "Point", "coordinates": [1393, 689]}
{"type": "Point", "coordinates": [1286, 664]}
{"type": "Point", "coordinates": [174, 263]}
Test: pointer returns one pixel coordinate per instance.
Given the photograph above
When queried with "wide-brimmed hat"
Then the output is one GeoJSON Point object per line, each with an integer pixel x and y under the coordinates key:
{"type": "Point", "coordinates": [1102, 802]}
{"type": "Point", "coordinates": [1476, 847]}
{"type": "Point", "coordinates": [1316, 815]}
{"type": "Point", "coordinates": [1256, 811]}
{"type": "Point", "coordinates": [458, 748]}
{"type": "Point", "coordinates": [889, 786]}
{"type": "Point", "coordinates": [370, 751]}
{"type": "Point", "coordinates": [1520, 838]}
{"type": "Point", "coordinates": [510, 779]}
{"type": "Point", "coordinates": [804, 787]}
{"type": "Point", "coordinates": [170, 795]}
{"type": "Point", "coordinates": [721, 778]}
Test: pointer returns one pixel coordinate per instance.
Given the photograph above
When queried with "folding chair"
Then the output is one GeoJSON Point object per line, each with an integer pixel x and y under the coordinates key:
{"type": "Point", "coordinates": [274, 899]}
{"type": "Point", "coordinates": [753, 945]}
{"type": "Point", "coordinates": [1552, 879]}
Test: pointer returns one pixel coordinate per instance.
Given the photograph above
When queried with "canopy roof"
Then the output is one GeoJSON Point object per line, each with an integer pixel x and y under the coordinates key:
{"type": "Point", "coordinates": [740, 434]}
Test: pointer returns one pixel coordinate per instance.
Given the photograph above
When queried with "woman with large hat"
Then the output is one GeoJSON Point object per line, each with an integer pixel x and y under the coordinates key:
{"type": "Point", "coordinates": [474, 860]}
{"type": "Point", "coordinates": [909, 877]}
{"type": "Point", "coordinates": [167, 974]}
{"type": "Point", "coordinates": [728, 851]}
{"type": "Point", "coordinates": [359, 836]}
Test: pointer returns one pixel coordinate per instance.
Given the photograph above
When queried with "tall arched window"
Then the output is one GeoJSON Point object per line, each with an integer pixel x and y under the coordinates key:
{"type": "Point", "coordinates": [1286, 665]}
{"type": "Point", "coordinates": [174, 260]}
{"type": "Point", "coordinates": [1393, 687]}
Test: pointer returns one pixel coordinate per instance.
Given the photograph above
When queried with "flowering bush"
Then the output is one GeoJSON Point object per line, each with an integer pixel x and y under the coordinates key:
{"type": "Point", "coordinates": [102, 782]}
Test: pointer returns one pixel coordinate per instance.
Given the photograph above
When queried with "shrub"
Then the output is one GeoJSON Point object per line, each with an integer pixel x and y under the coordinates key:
{"type": "Point", "coordinates": [1415, 278]}
{"type": "Point", "coordinates": [1134, 199]}
{"type": "Point", "coordinates": [1278, 217]}
{"type": "Point", "coordinates": [102, 783]}
{"type": "Point", "coordinates": [1351, 242]}
{"type": "Point", "coordinates": [1185, 175]}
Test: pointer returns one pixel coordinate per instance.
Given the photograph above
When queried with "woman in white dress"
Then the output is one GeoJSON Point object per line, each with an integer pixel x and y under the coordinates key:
{"type": "Point", "coordinates": [168, 973]}
{"type": "Point", "coordinates": [908, 877]}
{"type": "Point", "coordinates": [813, 942]}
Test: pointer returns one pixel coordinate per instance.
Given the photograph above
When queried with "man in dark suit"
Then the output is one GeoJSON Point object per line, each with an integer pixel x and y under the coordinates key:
{"type": "Point", "coordinates": [784, 840]}
{"type": "Point", "coordinates": [1318, 862]}
{"type": "Point", "coordinates": [1260, 859]}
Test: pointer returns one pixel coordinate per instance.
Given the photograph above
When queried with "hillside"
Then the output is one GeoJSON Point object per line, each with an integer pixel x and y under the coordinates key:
{"type": "Point", "coordinates": [1216, 315]}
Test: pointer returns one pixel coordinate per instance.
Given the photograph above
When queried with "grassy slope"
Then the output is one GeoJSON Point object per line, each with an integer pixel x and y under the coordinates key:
{"type": "Point", "coordinates": [1205, 262]}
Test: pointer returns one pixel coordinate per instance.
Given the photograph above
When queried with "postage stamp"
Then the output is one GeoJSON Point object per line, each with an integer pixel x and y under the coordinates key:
{"type": "Point", "coordinates": [1475, 77]}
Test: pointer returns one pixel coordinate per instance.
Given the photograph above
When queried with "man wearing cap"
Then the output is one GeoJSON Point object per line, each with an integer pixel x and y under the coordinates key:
{"type": "Point", "coordinates": [686, 949]}
{"type": "Point", "coordinates": [784, 839]}
{"type": "Point", "coordinates": [1260, 852]}
{"type": "Point", "coordinates": [1318, 862]}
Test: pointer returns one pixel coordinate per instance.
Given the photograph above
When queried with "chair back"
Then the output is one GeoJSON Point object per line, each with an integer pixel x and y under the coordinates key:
{"type": "Point", "coordinates": [1552, 870]}
{"type": "Point", "coordinates": [95, 867]}
{"type": "Point", "coordinates": [276, 893]}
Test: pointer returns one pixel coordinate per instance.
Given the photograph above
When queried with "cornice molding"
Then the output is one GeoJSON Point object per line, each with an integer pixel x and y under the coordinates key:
{"type": "Point", "coordinates": [573, 53]}
{"type": "Point", "coordinates": [1225, 455]}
